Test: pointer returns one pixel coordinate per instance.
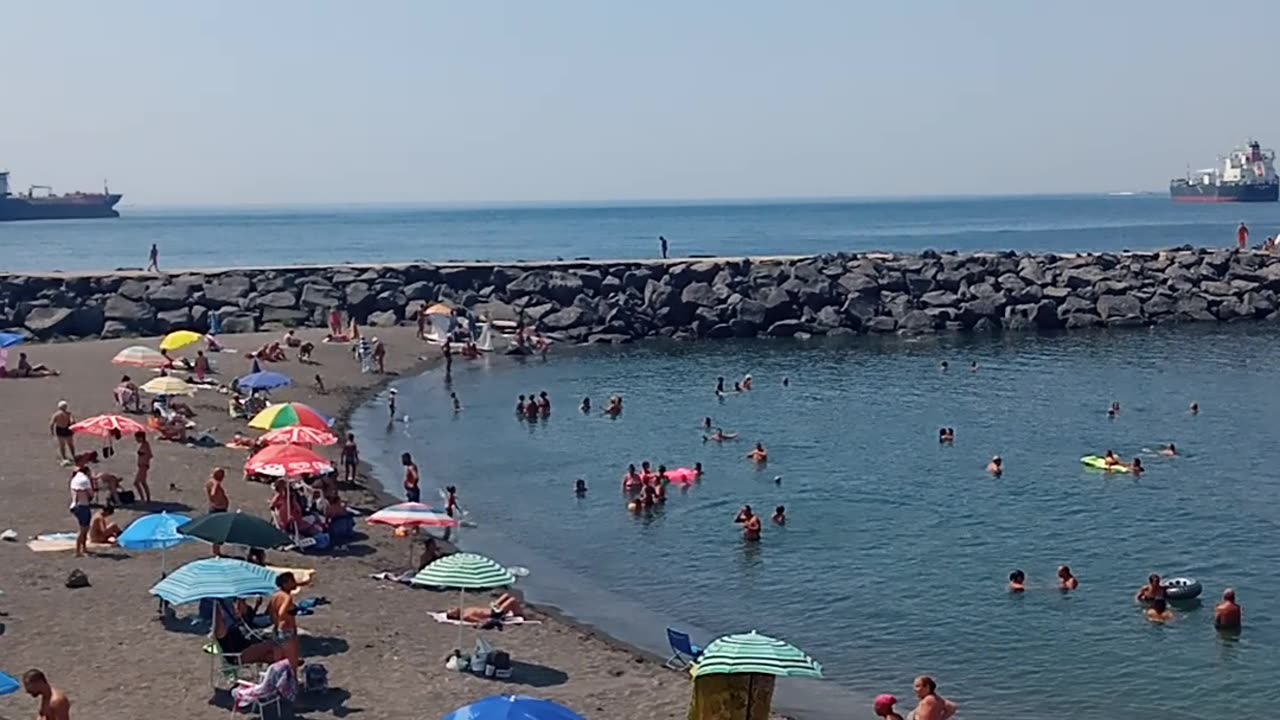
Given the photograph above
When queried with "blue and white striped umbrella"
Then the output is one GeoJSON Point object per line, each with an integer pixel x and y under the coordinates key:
{"type": "Point", "coordinates": [215, 578]}
{"type": "Point", "coordinates": [158, 531]}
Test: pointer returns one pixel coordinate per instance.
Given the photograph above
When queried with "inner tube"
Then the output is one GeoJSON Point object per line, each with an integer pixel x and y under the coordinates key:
{"type": "Point", "coordinates": [1182, 588]}
{"type": "Point", "coordinates": [1099, 463]}
{"type": "Point", "coordinates": [682, 476]}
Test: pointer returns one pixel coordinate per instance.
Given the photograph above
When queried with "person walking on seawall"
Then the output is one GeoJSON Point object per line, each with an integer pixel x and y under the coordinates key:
{"type": "Point", "coordinates": [662, 243]}
{"type": "Point", "coordinates": [153, 259]}
{"type": "Point", "coordinates": [1242, 236]}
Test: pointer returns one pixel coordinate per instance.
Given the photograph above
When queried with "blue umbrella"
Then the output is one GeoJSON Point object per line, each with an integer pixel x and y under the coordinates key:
{"type": "Point", "coordinates": [263, 380]}
{"type": "Point", "coordinates": [158, 531]}
{"type": "Point", "coordinates": [8, 340]}
{"type": "Point", "coordinates": [512, 707]}
{"type": "Point", "coordinates": [215, 578]}
{"type": "Point", "coordinates": [7, 684]}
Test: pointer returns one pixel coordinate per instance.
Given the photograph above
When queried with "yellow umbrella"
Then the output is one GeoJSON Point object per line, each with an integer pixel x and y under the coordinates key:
{"type": "Point", "coordinates": [439, 309]}
{"type": "Point", "coordinates": [168, 385]}
{"type": "Point", "coordinates": [179, 339]}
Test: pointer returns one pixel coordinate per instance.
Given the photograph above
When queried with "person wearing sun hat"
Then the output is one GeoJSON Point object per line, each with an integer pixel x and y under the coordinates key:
{"type": "Point", "coordinates": [884, 707]}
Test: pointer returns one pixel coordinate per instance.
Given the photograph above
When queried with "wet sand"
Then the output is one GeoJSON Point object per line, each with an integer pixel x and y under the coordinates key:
{"type": "Point", "coordinates": [107, 648]}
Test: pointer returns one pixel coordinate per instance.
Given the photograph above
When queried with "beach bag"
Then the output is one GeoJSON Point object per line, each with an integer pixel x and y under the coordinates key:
{"type": "Point", "coordinates": [343, 528]}
{"type": "Point", "coordinates": [127, 497]}
{"type": "Point", "coordinates": [499, 665]}
{"type": "Point", "coordinates": [77, 579]}
{"type": "Point", "coordinates": [315, 678]}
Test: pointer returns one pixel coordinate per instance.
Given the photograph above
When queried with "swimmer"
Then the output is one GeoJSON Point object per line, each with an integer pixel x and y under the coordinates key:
{"type": "Point", "coordinates": [720, 386]}
{"type": "Point", "coordinates": [951, 435]}
{"type": "Point", "coordinates": [1169, 451]}
{"type": "Point", "coordinates": [1066, 581]}
{"type": "Point", "coordinates": [634, 505]}
{"type": "Point", "coordinates": [457, 404]}
{"type": "Point", "coordinates": [706, 423]}
{"type": "Point", "coordinates": [996, 466]}
{"type": "Point", "coordinates": [648, 496]}
{"type": "Point", "coordinates": [1195, 408]}
{"type": "Point", "coordinates": [1136, 468]}
{"type": "Point", "coordinates": [973, 366]}
{"type": "Point", "coordinates": [1110, 460]}
{"type": "Point", "coordinates": [719, 436]}
{"type": "Point", "coordinates": [746, 382]}
{"type": "Point", "coordinates": [777, 479]}
{"type": "Point", "coordinates": [646, 475]}
{"type": "Point", "coordinates": [1115, 407]}
{"type": "Point", "coordinates": [586, 406]}
{"type": "Point", "coordinates": [631, 480]}
{"type": "Point", "coordinates": [1152, 591]}
{"type": "Point", "coordinates": [659, 488]}
{"type": "Point", "coordinates": [758, 455]}
{"type": "Point", "coordinates": [780, 515]}
{"type": "Point", "coordinates": [1111, 413]}
{"type": "Point", "coordinates": [786, 382]}
{"type": "Point", "coordinates": [580, 488]}
{"type": "Point", "coordinates": [1159, 612]}
{"type": "Point", "coordinates": [737, 387]}
{"type": "Point", "coordinates": [697, 471]}
{"type": "Point", "coordinates": [1226, 616]}
{"type": "Point", "coordinates": [1017, 581]}
{"type": "Point", "coordinates": [750, 523]}
{"type": "Point", "coordinates": [942, 436]}
{"type": "Point", "coordinates": [945, 366]}
{"type": "Point", "coordinates": [520, 407]}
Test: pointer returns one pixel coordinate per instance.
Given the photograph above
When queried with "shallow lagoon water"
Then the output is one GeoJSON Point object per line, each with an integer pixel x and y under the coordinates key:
{"type": "Point", "coordinates": [897, 549]}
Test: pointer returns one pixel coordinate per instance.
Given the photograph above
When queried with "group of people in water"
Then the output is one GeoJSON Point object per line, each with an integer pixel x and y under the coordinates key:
{"type": "Point", "coordinates": [1153, 595]}
{"type": "Point", "coordinates": [646, 488]}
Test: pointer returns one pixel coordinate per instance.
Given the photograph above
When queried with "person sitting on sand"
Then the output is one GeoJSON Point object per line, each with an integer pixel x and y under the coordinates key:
{"type": "Point", "coordinates": [27, 370]}
{"type": "Point", "coordinates": [1169, 451]}
{"type": "Point", "coordinates": [305, 350]}
{"type": "Point", "coordinates": [1226, 616]}
{"type": "Point", "coordinates": [1152, 591]}
{"type": "Point", "coordinates": [780, 515]}
{"type": "Point", "coordinates": [1017, 581]}
{"type": "Point", "coordinates": [290, 339]}
{"type": "Point", "coordinates": [758, 454]}
{"type": "Point", "coordinates": [883, 707]}
{"type": "Point", "coordinates": [231, 639]}
{"type": "Point", "coordinates": [506, 606]}
{"type": "Point", "coordinates": [127, 395]}
{"type": "Point", "coordinates": [173, 429]}
{"type": "Point", "coordinates": [1066, 581]}
{"type": "Point", "coordinates": [1159, 612]}
{"type": "Point", "coordinates": [996, 466]}
{"type": "Point", "coordinates": [101, 529]}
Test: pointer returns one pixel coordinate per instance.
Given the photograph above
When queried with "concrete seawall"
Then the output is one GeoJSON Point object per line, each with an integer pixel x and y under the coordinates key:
{"type": "Point", "coordinates": [620, 301]}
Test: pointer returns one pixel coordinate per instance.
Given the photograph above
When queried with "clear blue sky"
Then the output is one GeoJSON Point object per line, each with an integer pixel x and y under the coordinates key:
{"type": "Point", "coordinates": [292, 101]}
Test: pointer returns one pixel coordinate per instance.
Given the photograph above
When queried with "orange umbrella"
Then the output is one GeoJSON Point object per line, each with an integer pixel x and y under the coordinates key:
{"type": "Point", "coordinates": [286, 461]}
{"type": "Point", "coordinates": [299, 435]}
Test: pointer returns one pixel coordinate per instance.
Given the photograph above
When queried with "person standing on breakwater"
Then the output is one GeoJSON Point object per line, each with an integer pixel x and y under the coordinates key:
{"type": "Point", "coordinates": [1242, 236]}
{"type": "Point", "coordinates": [411, 490]}
{"type": "Point", "coordinates": [932, 706]}
{"type": "Point", "coordinates": [153, 259]}
{"type": "Point", "coordinates": [662, 243]}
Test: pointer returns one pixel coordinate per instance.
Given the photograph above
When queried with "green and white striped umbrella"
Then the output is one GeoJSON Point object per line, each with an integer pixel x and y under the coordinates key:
{"type": "Point", "coordinates": [755, 653]}
{"type": "Point", "coordinates": [464, 571]}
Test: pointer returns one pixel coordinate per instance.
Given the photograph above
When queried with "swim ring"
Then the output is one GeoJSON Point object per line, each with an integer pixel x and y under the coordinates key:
{"type": "Point", "coordinates": [1098, 463]}
{"type": "Point", "coordinates": [682, 476]}
{"type": "Point", "coordinates": [1182, 588]}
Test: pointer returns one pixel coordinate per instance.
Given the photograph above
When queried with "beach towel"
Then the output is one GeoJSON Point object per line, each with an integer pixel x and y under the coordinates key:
{"type": "Point", "coordinates": [508, 619]}
{"type": "Point", "coordinates": [60, 542]}
{"type": "Point", "coordinates": [279, 681]}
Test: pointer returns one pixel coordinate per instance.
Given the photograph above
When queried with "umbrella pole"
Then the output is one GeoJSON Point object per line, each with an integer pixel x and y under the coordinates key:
{"type": "Point", "coordinates": [751, 687]}
{"type": "Point", "coordinates": [462, 600]}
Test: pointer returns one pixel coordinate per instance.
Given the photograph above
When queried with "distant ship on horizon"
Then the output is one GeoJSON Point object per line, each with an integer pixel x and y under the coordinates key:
{"type": "Point", "coordinates": [1248, 174]}
{"type": "Point", "coordinates": [48, 206]}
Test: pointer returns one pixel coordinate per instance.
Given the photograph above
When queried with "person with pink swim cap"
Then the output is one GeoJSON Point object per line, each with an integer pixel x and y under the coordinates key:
{"type": "Point", "coordinates": [884, 707]}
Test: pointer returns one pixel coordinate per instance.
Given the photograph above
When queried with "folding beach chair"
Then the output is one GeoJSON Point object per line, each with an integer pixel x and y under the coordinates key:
{"type": "Point", "coordinates": [277, 690]}
{"type": "Point", "coordinates": [683, 651]}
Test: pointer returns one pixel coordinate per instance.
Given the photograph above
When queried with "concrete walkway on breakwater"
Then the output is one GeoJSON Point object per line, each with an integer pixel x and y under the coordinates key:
{"type": "Point", "coordinates": [613, 301]}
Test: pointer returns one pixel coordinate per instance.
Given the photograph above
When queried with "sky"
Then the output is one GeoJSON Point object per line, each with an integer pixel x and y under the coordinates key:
{"type": "Point", "coordinates": [403, 101]}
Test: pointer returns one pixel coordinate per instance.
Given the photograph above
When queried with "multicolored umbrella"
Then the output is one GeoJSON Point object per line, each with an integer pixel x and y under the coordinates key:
{"type": "Point", "coordinates": [215, 578]}
{"type": "Point", "coordinates": [140, 356]}
{"type": "Point", "coordinates": [299, 435]}
{"type": "Point", "coordinates": [102, 425]}
{"type": "Point", "coordinates": [412, 515]}
{"type": "Point", "coordinates": [752, 652]}
{"type": "Point", "coordinates": [179, 339]}
{"type": "Point", "coordinates": [287, 461]}
{"type": "Point", "coordinates": [464, 571]}
{"type": "Point", "coordinates": [512, 707]}
{"type": "Point", "coordinates": [286, 414]}
{"type": "Point", "coordinates": [168, 385]}
{"type": "Point", "coordinates": [263, 380]}
{"type": "Point", "coordinates": [235, 528]}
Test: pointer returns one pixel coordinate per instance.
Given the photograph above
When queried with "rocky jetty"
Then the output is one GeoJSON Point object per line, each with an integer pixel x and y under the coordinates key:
{"type": "Point", "coordinates": [586, 301]}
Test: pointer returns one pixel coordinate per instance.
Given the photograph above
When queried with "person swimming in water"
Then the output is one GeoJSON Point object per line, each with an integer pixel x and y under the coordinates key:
{"type": "Point", "coordinates": [697, 471]}
{"type": "Point", "coordinates": [1169, 451]}
{"type": "Point", "coordinates": [973, 366]}
{"type": "Point", "coordinates": [758, 454]}
{"type": "Point", "coordinates": [786, 382]}
{"type": "Point", "coordinates": [1136, 468]}
{"type": "Point", "coordinates": [1017, 581]}
{"type": "Point", "coordinates": [1111, 413]}
{"type": "Point", "coordinates": [1159, 612]}
{"type": "Point", "coordinates": [719, 436]}
{"type": "Point", "coordinates": [706, 423]}
{"type": "Point", "coordinates": [586, 406]}
{"type": "Point", "coordinates": [946, 436]}
{"type": "Point", "coordinates": [580, 488]}
{"type": "Point", "coordinates": [945, 366]}
{"type": "Point", "coordinates": [746, 382]}
{"type": "Point", "coordinates": [646, 474]}
{"type": "Point", "coordinates": [996, 466]}
{"type": "Point", "coordinates": [1195, 408]}
{"type": "Point", "coordinates": [520, 407]}
{"type": "Point", "coordinates": [1152, 591]}
{"type": "Point", "coordinates": [720, 386]}
{"type": "Point", "coordinates": [780, 515]}
{"type": "Point", "coordinates": [737, 387]}
{"type": "Point", "coordinates": [749, 522]}
{"type": "Point", "coordinates": [1066, 581]}
{"type": "Point", "coordinates": [631, 480]}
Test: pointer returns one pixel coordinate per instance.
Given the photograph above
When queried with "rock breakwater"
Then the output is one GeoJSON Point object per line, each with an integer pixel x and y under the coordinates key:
{"type": "Point", "coordinates": [612, 302]}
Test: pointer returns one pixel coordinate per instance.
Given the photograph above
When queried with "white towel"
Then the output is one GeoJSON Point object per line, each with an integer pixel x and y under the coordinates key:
{"type": "Point", "coordinates": [508, 620]}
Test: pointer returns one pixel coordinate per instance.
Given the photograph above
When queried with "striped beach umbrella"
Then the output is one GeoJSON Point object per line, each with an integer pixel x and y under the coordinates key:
{"type": "Point", "coordinates": [140, 356]}
{"type": "Point", "coordinates": [168, 385]}
{"type": "Point", "coordinates": [286, 461]}
{"type": "Point", "coordinates": [512, 707]}
{"type": "Point", "coordinates": [755, 653]}
{"type": "Point", "coordinates": [285, 414]}
{"type": "Point", "coordinates": [464, 571]}
{"type": "Point", "coordinates": [179, 339]}
{"type": "Point", "coordinates": [215, 578]}
{"type": "Point", "coordinates": [102, 425]}
{"type": "Point", "coordinates": [299, 435]}
{"type": "Point", "coordinates": [412, 514]}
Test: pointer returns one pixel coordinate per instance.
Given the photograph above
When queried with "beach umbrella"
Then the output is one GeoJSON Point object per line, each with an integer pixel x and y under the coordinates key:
{"type": "Point", "coordinates": [8, 340]}
{"type": "Point", "coordinates": [286, 461]}
{"type": "Point", "coordinates": [299, 435]}
{"type": "Point", "coordinates": [755, 653]}
{"type": "Point", "coordinates": [263, 381]}
{"type": "Point", "coordinates": [140, 356]}
{"type": "Point", "coordinates": [215, 578]}
{"type": "Point", "coordinates": [179, 339]}
{"type": "Point", "coordinates": [8, 684]}
{"type": "Point", "coordinates": [412, 515]}
{"type": "Point", "coordinates": [167, 385]}
{"type": "Point", "coordinates": [102, 425]}
{"type": "Point", "coordinates": [158, 531]}
{"type": "Point", "coordinates": [512, 707]}
{"type": "Point", "coordinates": [439, 309]}
{"type": "Point", "coordinates": [464, 571]}
{"type": "Point", "coordinates": [286, 414]}
{"type": "Point", "coordinates": [235, 528]}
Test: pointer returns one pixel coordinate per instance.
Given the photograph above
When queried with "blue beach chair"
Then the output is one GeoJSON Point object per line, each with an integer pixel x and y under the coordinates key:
{"type": "Point", "coordinates": [683, 651]}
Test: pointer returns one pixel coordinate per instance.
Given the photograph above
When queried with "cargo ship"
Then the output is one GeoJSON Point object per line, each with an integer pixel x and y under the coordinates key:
{"type": "Point", "coordinates": [47, 206]}
{"type": "Point", "coordinates": [1247, 175]}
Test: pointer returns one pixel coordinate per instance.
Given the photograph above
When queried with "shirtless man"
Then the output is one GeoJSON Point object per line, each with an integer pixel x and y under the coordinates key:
{"type": "Point", "coordinates": [1066, 581]}
{"type": "Point", "coordinates": [758, 455]}
{"type": "Point", "coordinates": [412, 493]}
{"type": "Point", "coordinates": [932, 706]}
{"type": "Point", "coordinates": [350, 458]}
{"type": "Point", "coordinates": [750, 523]}
{"type": "Point", "coordinates": [1226, 616]}
{"type": "Point", "coordinates": [144, 467]}
{"type": "Point", "coordinates": [60, 427]}
{"type": "Point", "coordinates": [996, 466]}
{"type": "Point", "coordinates": [1152, 591]}
{"type": "Point", "coordinates": [216, 492]}
{"type": "Point", "coordinates": [1017, 581]}
{"type": "Point", "coordinates": [284, 620]}
{"type": "Point", "coordinates": [54, 704]}
{"type": "Point", "coordinates": [101, 529]}
{"type": "Point", "coordinates": [1170, 451]}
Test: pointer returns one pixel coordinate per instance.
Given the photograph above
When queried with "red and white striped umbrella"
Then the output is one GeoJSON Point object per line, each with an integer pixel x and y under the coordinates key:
{"type": "Point", "coordinates": [140, 356]}
{"type": "Point", "coordinates": [299, 435]}
{"type": "Point", "coordinates": [287, 461]}
{"type": "Point", "coordinates": [102, 425]}
{"type": "Point", "coordinates": [412, 514]}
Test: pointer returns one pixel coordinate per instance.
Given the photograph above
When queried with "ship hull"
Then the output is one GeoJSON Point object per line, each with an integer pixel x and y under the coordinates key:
{"type": "Point", "coordinates": [1186, 193]}
{"type": "Point", "coordinates": [14, 208]}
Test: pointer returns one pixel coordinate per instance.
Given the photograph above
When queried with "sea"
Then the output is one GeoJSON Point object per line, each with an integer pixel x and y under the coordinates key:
{"type": "Point", "coordinates": [895, 555]}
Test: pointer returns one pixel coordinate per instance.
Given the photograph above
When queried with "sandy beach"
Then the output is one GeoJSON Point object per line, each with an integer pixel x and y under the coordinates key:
{"type": "Point", "coordinates": [107, 648]}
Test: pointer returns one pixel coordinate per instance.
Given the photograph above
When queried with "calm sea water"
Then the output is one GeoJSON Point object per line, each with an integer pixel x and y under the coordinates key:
{"type": "Point", "coordinates": [896, 553]}
{"type": "Point", "coordinates": [214, 238]}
